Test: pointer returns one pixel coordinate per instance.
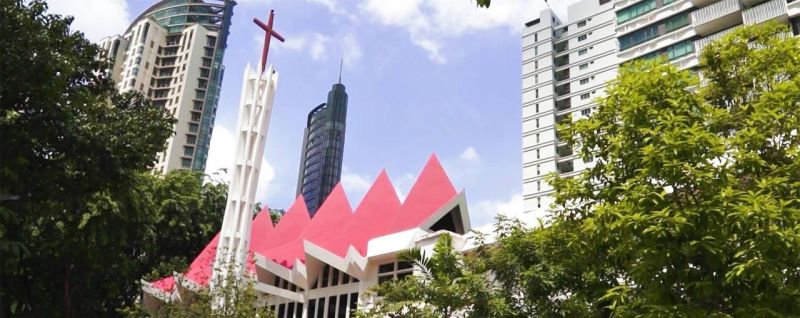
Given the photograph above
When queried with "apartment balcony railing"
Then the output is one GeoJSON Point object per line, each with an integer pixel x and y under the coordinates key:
{"type": "Point", "coordinates": [563, 104]}
{"type": "Point", "coordinates": [701, 43]}
{"type": "Point", "coordinates": [562, 75]}
{"type": "Point", "coordinates": [562, 60]}
{"type": "Point", "coordinates": [564, 151]}
{"type": "Point", "coordinates": [718, 16]}
{"type": "Point", "coordinates": [561, 47]}
{"type": "Point", "coordinates": [565, 167]}
{"type": "Point", "coordinates": [562, 90]}
{"type": "Point", "coordinates": [774, 9]}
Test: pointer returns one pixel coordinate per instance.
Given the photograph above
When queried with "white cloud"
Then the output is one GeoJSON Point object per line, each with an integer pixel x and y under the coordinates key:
{"type": "Point", "coordinates": [336, 8]}
{"type": "Point", "coordinates": [355, 185]}
{"type": "Point", "coordinates": [431, 22]}
{"type": "Point", "coordinates": [320, 46]}
{"type": "Point", "coordinates": [316, 44]}
{"type": "Point", "coordinates": [351, 50]}
{"type": "Point", "coordinates": [95, 18]}
{"type": "Point", "coordinates": [469, 154]}
{"type": "Point", "coordinates": [220, 156]}
{"type": "Point", "coordinates": [485, 211]}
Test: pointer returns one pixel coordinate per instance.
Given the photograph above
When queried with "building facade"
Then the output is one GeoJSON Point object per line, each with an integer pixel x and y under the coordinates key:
{"type": "Point", "coordinates": [567, 63]}
{"type": "Point", "coordinates": [172, 53]}
{"type": "Point", "coordinates": [323, 149]}
{"type": "Point", "coordinates": [323, 267]}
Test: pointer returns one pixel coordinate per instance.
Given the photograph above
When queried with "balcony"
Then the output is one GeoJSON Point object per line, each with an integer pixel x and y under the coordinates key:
{"type": "Point", "coordinates": [561, 47]}
{"type": "Point", "coordinates": [563, 104]}
{"type": "Point", "coordinates": [793, 8]}
{"type": "Point", "coordinates": [701, 43]}
{"type": "Point", "coordinates": [565, 167]}
{"type": "Point", "coordinates": [562, 75]}
{"type": "Point", "coordinates": [562, 60]}
{"type": "Point", "coordinates": [564, 151]}
{"type": "Point", "coordinates": [770, 10]}
{"type": "Point", "coordinates": [562, 90]}
{"type": "Point", "coordinates": [716, 17]}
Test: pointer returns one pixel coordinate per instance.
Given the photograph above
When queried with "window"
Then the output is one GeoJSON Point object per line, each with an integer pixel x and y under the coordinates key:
{"type": "Point", "coordinates": [635, 10]}
{"type": "Point", "coordinates": [186, 163]}
{"type": "Point", "coordinates": [680, 49]}
{"type": "Point", "coordinates": [211, 41]}
{"type": "Point", "coordinates": [537, 137]}
{"type": "Point", "coordinates": [586, 112]}
{"type": "Point", "coordinates": [582, 24]}
{"type": "Point", "coordinates": [582, 37]}
{"type": "Point", "coordinates": [539, 200]}
{"type": "Point", "coordinates": [191, 139]}
{"type": "Point", "coordinates": [536, 37]}
{"type": "Point", "coordinates": [536, 78]}
{"type": "Point", "coordinates": [537, 122]}
{"type": "Point", "coordinates": [638, 37]}
{"type": "Point", "coordinates": [537, 92]}
{"type": "Point", "coordinates": [583, 66]}
{"type": "Point", "coordinates": [677, 21]}
{"type": "Point", "coordinates": [585, 96]}
{"type": "Point", "coordinates": [209, 52]}
{"type": "Point", "coordinates": [584, 81]}
{"type": "Point", "coordinates": [536, 65]}
{"type": "Point", "coordinates": [188, 151]}
{"type": "Point", "coordinates": [198, 105]}
{"type": "Point", "coordinates": [195, 116]}
{"type": "Point", "coordinates": [582, 52]}
{"type": "Point", "coordinates": [394, 270]}
{"type": "Point", "coordinates": [538, 170]}
{"type": "Point", "coordinates": [537, 153]}
{"type": "Point", "coordinates": [538, 186]}
{"type": "Point", "coordinates": [537, 108]}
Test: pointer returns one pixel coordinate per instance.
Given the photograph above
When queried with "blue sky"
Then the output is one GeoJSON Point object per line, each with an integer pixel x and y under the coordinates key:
{"type": "Point", "coordinates": [438, 76]}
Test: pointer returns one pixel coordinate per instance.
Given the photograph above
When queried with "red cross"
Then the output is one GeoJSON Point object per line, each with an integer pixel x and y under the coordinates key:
{"type": "Point", "coordinates": [268, 36]}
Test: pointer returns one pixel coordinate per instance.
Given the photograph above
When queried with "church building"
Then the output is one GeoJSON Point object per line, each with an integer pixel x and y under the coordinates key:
{"type": "Point", "coordinates": [323, 266]}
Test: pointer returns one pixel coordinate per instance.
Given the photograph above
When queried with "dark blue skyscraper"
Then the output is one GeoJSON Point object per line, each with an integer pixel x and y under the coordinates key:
{"type": "Point", "coordinates": [323, 149]}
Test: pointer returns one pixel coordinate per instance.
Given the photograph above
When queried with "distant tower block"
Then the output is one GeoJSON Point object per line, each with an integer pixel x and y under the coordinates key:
{"type": "Point", "coordinates": [255, 108]}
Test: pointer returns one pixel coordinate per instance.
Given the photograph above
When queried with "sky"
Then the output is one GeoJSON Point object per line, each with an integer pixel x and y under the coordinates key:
{"type": "Point", "coordinates": [423, 77]}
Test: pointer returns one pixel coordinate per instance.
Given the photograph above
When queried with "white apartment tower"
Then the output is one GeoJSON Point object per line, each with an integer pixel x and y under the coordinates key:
{"type": "Point", "coordinates": [172, 53]}
{"type": "Point", "coordinates": [566, 64]}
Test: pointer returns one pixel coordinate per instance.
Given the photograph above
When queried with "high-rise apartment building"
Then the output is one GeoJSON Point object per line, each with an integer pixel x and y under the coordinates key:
{"type": "Point", "coordinates": [323, 149]}
{"type": "Point", "coordinates": [566, 64]}
{"type": "Point", "coordinates": [172, 53]}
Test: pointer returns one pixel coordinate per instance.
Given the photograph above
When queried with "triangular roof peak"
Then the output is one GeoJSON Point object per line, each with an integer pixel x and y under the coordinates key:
{"type": "Point", "coordinates": [430, 191]}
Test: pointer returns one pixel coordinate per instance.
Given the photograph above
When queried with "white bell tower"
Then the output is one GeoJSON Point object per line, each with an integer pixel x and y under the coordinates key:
{"type": "Point", "coordinates": [255, 108]}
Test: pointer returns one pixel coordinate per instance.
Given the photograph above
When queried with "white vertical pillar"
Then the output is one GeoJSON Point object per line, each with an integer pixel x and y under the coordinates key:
{"type": "Point", "coordinates": [255, 108]}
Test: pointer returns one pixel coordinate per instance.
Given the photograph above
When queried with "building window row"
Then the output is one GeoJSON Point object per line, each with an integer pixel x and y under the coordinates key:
{"type": "Point", "coordinates": [635, 10]}
{"type": "Point", "coordinates": [654, 30]}
{"type": "Point", "coordinates": [394, 270]}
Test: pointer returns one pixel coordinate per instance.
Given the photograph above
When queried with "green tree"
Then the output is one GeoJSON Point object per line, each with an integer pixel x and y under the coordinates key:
{"type": "Point", "coordinates": [448, 284]}
{"type": "Point", "coordinates": [81, 220]}
{"type": "Point", "coordinates": [186, 212]}
{"type": "Point", "coordinates": [693, 205]}
{"type": "Point", "coordinates": [237, 298]}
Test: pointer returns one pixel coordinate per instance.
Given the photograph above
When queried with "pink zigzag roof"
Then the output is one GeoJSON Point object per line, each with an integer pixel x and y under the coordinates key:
{"type": "Point", "coordinates": [336, 227]}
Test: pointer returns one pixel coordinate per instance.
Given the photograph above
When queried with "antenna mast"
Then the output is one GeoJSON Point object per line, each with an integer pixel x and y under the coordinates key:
{"type": "Point", "coordinates": [340, 70]}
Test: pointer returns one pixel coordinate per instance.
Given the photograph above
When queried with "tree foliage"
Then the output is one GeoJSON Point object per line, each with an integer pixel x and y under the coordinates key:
{"type": "Point", "coordinates": [81, 219]}
{"type": "Point", "coordinates": [447, 284]}
{"type": "Point", "coordinates": [694, 199]}
{"type": "Point", "coordinates": [691, 209]}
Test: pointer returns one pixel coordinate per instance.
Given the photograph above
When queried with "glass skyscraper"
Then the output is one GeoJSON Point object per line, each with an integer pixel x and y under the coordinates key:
{"type": "Point", "coordinates": [323, 149]}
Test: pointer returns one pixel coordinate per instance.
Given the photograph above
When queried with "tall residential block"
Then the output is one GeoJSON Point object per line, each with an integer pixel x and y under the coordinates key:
{"type": "Point", "coordinates": [567, 62]}
{"type": "Point", "coordinates": [323, 149]}
{"type": "Point", "coordinates": [172, 53]}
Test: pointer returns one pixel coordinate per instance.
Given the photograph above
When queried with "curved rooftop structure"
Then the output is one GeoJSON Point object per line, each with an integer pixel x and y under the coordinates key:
{"type": "Point", "coordinates": [174, 15]}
